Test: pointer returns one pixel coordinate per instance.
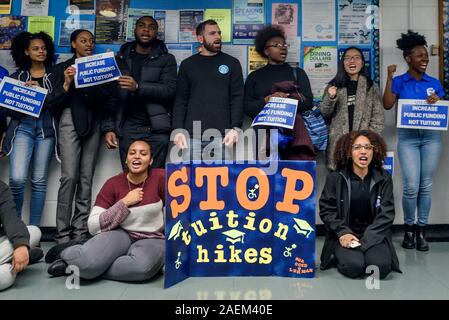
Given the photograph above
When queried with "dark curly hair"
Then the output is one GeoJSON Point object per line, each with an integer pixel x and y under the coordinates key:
{"type": "Point", "coordinates": [343, 149]}
{"type": "Point", "coordinates": [409, 41]}
{"type": "Point", "coordinates": [264, 35]}
{"type": "Point", "coordinates": [21, 42]}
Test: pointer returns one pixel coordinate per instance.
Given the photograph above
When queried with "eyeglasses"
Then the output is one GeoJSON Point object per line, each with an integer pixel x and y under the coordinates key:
{"type": "Point", "coordinates": [358, 147]}
{"type": "Point", "coordinates": [277, 45]}
{"type": "Point", "coordinates": [355, 58]}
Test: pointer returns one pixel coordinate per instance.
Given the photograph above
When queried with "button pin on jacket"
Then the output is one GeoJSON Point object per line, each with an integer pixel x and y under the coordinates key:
{"type": "Point", "coordinates": [378, 202]}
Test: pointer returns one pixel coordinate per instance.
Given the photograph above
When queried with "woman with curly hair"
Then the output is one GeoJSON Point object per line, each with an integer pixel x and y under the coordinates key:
{"type": "Point", "coordinates": [31, 140]}
{"type": "Point", "coordinates": [271, 44]}
{"type": "Point", "coordinates": [357, 208]}
{"type": "Point", "coordinates": [351, 100]}
{"type": "Point", "coordinates": [415, 145]}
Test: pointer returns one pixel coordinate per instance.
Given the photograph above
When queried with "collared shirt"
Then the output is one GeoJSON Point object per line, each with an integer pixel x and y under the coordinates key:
{"type": "Point", "coordinates": [407, 87]}
{"type": "Point", "coordinates": [360, 213]}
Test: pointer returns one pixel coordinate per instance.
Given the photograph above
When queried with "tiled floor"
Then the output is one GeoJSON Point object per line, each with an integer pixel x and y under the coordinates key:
{"type": "Point", "coordinates": [425, 276]}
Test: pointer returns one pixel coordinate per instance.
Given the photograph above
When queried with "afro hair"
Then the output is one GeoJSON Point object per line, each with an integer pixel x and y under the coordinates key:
{"type": "Point", "coordinates": [22, 41]}
{"type": "Point", "coordinates": [263, 36]}
{"type": "Point", "coordinates": [410, 40]}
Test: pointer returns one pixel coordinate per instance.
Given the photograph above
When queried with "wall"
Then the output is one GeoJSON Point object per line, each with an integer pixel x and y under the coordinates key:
{"type": "Point", "coordinates": [395, 17]}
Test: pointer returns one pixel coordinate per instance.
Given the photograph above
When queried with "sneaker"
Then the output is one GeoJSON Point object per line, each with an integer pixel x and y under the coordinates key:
{"type": "Point", "coordinates": [35, 254]}
{"type": "Point", "coordinates": [57, 268]}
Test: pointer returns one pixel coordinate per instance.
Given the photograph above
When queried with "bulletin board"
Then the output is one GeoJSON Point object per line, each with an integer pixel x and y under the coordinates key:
{"type": "Point", "coordinates": [317, 32]}
{"type": "Point", "coordinates": [443, 13]}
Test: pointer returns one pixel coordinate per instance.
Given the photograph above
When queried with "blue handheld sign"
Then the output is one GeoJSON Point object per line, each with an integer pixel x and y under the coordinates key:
{"type": "Point", "coordinates": [418, 114]}
{"type": "Point", "coordinates": [96, 69]}
{"type": "Point", "coordinates": [278, 112]}
{"type": "Point", "coordinates": [16, 96]}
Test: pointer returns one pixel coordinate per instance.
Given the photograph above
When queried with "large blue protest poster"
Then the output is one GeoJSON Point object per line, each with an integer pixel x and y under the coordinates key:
{"type": "Point", "coordinates": [237, 220]}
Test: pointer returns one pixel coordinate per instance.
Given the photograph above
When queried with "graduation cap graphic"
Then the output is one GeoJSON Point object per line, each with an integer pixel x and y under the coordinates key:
{"type": "Point", "coordinates": [303, 227]}
{"type": "Point", "coordinates": [175, 231]}
{"type": "Point", "coordinates": [234, 236]}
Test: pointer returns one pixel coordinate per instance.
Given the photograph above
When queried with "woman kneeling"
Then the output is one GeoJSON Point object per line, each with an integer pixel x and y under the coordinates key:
{"type": "Point", "coordinates": [127, 224]}
{"type": "Point", "coordinates": [357, 208]}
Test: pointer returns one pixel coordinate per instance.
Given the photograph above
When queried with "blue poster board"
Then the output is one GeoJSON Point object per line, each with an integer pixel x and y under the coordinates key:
{"type": "Point", "coordinates": [235, 220]}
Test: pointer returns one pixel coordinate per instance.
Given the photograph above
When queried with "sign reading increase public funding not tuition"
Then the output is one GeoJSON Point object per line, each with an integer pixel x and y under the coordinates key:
{"type": "Point", "coordinates": [16, 96]}
{"type": "Point", "coordinates": [236, 220]}
{"type": "Point", "coordinates": [418, 114]}
{"type": "Point", "coordinates": [278, 112]}
{"type": "Point", "coordinates": [96, 69]}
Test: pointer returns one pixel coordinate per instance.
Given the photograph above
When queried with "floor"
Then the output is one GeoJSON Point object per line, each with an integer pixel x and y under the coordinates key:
{"type": "Point", "coordinates": [425, 276]}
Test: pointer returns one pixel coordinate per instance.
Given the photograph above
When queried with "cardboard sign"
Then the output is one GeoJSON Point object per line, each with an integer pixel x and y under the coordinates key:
{"type": "Point", "coordinates": [418, 114]}
{"type": "Point", "coordinates": [96, 69]}
{"type": "Point", "coordinates": [236, 220]}
{"type": "Point", "coordinates": [16, 96]}
{"type": "Point", "coordinates": [278, 112]}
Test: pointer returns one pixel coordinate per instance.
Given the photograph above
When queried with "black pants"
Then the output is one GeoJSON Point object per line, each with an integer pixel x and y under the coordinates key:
{"type": "Point", "coordinates": [353, 262]}
{"type": "Point", "coordinates": [159, 142]}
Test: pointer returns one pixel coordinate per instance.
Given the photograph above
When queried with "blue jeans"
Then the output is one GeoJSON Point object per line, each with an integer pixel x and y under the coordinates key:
{"type": "Point", "coordinates": [29, 144]}
{"type": "Point", "coordinates": [419, 153]}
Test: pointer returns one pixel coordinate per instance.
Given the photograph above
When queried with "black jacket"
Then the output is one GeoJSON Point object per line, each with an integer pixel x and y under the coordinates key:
{"type": "Point", "coordinates": [10, 224]}
{"type": "Point", "coordinates": [86, 104]}
{"type": "Point", "coordinates": [157, 86]}
{"type": "Point", "coordinates": [334, 211]}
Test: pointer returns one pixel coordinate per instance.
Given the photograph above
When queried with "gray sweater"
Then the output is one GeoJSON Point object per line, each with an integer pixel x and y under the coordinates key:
{"type": "Point", "coordinates": [368, 113]}
{"type": "Point", "coordinates": [10, 224]}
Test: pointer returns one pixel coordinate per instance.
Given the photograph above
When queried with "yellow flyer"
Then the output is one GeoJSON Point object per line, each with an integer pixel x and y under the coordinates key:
{"type": "Point", "coordinates": [46, 24]}
{"type": "Point", "coordinates": [5, 6]}
{"type": "Point", "coordinates": [255, 60]}
{"type": "Point", "coordinates": [223, 18]}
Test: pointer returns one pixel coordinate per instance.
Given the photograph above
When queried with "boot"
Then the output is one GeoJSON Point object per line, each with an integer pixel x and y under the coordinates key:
{"type": "Point", "coordinates": [409, 237]}
{"type": "Point", "coordinates": [421, 243]}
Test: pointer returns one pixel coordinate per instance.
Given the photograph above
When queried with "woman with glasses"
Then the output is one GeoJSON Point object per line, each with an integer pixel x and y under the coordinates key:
{"type": "Point", "coordinates": [357, 208]}
{"type": "Point", "coordinates": [78, 141]}
{"type": "Point", "coordinates": [271, 44]}
{"type": "Point", "coordinates": [351, 100]}
{"type": "Point", "coordinates": [418, 149]}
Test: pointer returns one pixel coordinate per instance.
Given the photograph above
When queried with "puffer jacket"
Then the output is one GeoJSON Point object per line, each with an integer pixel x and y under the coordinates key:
{"type": "Point", "coordinates": [157, 86]}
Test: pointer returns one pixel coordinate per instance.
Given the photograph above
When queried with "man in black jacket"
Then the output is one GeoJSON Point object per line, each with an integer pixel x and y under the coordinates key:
{"type": "Point", "coordinates": [209, 90]}
{"type": "Point", "coordinates": [15, 239]}
{"type": "Point", "coordinates": [147, 89]}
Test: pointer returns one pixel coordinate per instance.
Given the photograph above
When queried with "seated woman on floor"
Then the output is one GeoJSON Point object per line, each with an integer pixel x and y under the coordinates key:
{"type": "Point", "coordinates": [127, 223]}
{"type": "Point", "coordinates": [357, 208]}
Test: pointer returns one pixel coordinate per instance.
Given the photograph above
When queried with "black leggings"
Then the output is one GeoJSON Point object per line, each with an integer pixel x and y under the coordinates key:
{"type": "Point", "coordinates": [353, 262]}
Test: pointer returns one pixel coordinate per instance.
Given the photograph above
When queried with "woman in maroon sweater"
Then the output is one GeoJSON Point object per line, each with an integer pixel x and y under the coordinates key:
{"type": "Point", "coordinates": [127, 225]}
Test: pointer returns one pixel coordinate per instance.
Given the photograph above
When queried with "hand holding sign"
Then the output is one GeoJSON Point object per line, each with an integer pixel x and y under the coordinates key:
{"type": "Point", "coordinates": [433, 98]}
{"type": "Point", "coordinates": [69, 75]}
{"type": "Point", "coordinates": [276, 94]}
